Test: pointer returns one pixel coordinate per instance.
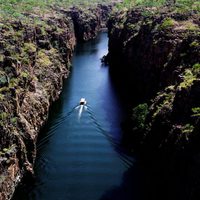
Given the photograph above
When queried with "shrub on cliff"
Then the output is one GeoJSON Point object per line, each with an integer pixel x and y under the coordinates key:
{"type": "Point", "coordinates": [167, 23]}
{"type": "Point", "coordinates": [139, 116]}
{"type": "Point", "coordinates": [135, 127]}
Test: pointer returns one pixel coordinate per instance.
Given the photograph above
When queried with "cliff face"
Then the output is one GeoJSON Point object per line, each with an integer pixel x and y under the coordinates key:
{"type": "Point", "coordinates": [158, 54]}
{"type": "Point", "coordinates": [87, 23]}
{"type": "Point", "coordinates": [33, 66]}
{"type": "Point", "coordinates": [34, 59]}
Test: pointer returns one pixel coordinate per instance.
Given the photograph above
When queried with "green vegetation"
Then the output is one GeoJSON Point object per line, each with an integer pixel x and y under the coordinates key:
{"type": "Point", "coordinates": [187, 5]}
{"type": "Point", "coordinates": [191, 26]}
{"type": "Point", "coordinates": [139, 116]}
{"type": "Point", "coordinates": [43, 58]}
{"type": "Point", "coordinates": [29, 48]}
{"type": "Point", "coordinates": [179, 5]}
{"type": "Point", "coordinates": [6, 153]}
{"type": "Point", "coordinates": [3, 115]}
{"type": "Point", "coordinates": [196, 68]}
{"type": "Point", "coordinates": [167, 23]}
{"type": "Point", "coordinates": [3, 79]}
{"type": "Point", "coordinates": [188, 78]}
{"type": "Point", "coordinates": [130, 3]}
{"type": "Point", "coordinates": [1, 58]}
{"type": "Point", "coordinates": [13, 82]}
{"type": "Point", "coordinates": [196, 112]}
{"type": "Point", "coordinates": [13, 120]}
{"type": "Point", "coordinates": [1, 97]}
{"type": "Point", "coordinates": [165, 98]}
{"type": "Point", "coordinates": [187, 130]}
{"type": "Point", "coordinates": [194, 44]}
{"type": "Point", "coordinates": [17, 8]}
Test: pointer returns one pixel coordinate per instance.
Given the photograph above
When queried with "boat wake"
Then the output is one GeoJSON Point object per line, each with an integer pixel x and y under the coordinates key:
{"type": "Point", "coordinates": [128, 161]}
{"type": "Point", "coordinates": [82, 106]}
{"type": "Point", "coordinates": [80, 109]}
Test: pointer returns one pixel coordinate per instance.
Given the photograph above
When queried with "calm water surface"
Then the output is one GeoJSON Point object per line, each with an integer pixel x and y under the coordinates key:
{"type": "Point", "coordinates": [79, 156]}
{"type": "Point", "coordinates": [78, 152]}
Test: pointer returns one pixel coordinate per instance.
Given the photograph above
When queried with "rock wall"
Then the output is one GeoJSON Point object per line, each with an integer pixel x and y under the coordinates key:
{"type": "Point", "coordinates": [88, 23]}
{"type": "Point", "coordinates": [155, 55]}
{"type": "Point", "coordinates": [35, 56]}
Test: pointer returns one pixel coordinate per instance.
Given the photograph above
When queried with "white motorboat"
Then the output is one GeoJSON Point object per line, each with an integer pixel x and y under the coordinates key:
{"type": "Point", "coordinates": [82, 101]}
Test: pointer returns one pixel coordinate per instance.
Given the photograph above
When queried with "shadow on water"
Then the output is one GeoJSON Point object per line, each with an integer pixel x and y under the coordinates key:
{"type": "Point", "coordinates": [88, 47]}
{"type": "Point", "coordinates": [150, 182]}
{"type": "Point", "coordinates": [145, 181]}
{"type": "Point", "coordinates": [129, 188]}
{"type": "Point", "coordinates": [158, 179]}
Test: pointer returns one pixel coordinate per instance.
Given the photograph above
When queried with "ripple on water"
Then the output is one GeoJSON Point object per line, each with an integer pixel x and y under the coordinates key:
{"type": "Point", "coordinates": [79, 155]}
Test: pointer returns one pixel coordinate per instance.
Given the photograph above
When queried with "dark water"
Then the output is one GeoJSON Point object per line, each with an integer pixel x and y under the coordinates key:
{"type": "Point", "coordinates": [78, 153]}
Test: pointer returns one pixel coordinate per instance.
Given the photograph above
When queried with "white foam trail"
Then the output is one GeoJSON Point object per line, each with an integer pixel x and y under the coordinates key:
{"type": "Point", "coordinates": [80, 111]}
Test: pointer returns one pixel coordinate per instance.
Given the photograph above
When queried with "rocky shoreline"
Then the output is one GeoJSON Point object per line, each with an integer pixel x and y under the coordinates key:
{"type": "Point", "coordinates": [35, 58]}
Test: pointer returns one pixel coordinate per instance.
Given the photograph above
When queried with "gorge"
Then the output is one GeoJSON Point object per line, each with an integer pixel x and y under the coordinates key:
{"type": "Point", "coordinates": [152, 82]}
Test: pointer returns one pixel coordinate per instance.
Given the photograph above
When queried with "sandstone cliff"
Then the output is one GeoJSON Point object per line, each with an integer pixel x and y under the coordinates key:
{"type": "Point", "coordinates": [35, 55]}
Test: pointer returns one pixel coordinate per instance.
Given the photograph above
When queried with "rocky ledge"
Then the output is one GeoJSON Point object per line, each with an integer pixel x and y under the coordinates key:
{"type": "Point", "coordinates": [155, 55]}
{"type": "Point", "coordinates": [35, 55]}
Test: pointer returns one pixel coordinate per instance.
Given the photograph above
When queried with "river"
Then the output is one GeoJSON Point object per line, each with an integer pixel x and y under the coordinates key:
{"type": "Point", "coordinates": [79, 155]}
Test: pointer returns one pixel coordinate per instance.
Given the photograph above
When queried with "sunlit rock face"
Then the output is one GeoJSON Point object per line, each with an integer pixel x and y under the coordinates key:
{"type": "Point", "coordinates": [35, 58]}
